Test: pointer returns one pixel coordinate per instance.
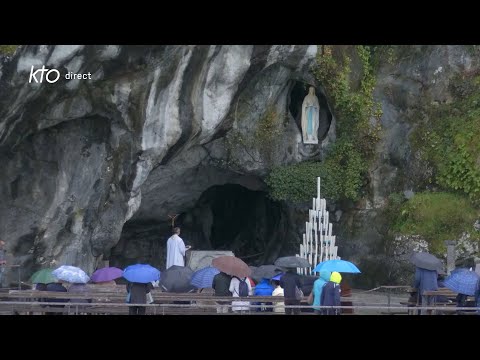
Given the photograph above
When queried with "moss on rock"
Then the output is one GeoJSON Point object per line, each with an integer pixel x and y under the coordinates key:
{"type": "Point", "coordinates": [437, 217]}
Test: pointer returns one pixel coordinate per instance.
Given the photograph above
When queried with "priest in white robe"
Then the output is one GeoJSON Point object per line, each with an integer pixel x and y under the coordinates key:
{"type": "Point", "coordinates": [176, 249]}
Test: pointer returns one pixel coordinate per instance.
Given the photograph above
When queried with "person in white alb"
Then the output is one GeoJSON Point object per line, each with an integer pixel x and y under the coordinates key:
{"type": "Point", "coordinates": [176, 249]}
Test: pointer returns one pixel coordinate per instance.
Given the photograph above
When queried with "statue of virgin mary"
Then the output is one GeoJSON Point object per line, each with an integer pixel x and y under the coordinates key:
{"type": "Point", "coordinates": [310, 110]}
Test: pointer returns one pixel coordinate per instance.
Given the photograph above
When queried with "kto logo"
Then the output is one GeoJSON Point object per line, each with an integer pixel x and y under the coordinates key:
{"type": "Point", "coordinates": [51, 78]}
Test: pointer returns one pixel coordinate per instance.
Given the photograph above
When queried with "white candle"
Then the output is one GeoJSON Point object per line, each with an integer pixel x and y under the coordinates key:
{"type": "Point", "coordinates": [302, 246]}
{"type": "Point", "coordinates": [321, 251]}
{"type": "Point", "coordinates": [299, 271]}
{"type": "Point", "coordinates": [318, 187]}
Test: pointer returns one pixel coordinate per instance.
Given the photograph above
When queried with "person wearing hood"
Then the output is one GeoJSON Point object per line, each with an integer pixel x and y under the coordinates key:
{"type": "Point", "coordinates": [264, 288]}
{"type": "Point", "coordinates": [318, 288]}
{"type": "Point", "coordinates": [331, 294]}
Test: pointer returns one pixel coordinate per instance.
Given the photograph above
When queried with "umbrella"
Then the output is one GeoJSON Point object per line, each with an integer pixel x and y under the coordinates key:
{"type": "Point", "coordinates": [177, 279]}
{"type": "Point", "coordinates": [141, 273]}
{"type": "Point", "coordinates": [203, 278]}
{"type": "Point", "coordinates": [43, 276]}
{"type": "Point", "coordinates": [458, 270]}
{"type": "Point", "coordinates": [107, 274]}
{"type": "Point", "coordinates": [292, 262]}
{"type": "Point", "coordinates": [266, 272]}
{"type": "Point", "coordinates": [232, 265]}
{"type": "Point", "coordinates": [277, 277]}
{"type": "Point", "coordinates": [72, 274]}
{"type": "Point", "coordinates": [463, 282]}
{"type": "Point", "coordinates": [426, 261]}
{"type": "Point", "coordinates": [337, 265]}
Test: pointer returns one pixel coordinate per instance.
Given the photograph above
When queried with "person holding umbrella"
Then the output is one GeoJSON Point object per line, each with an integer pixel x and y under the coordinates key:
{"type": "Point", "coordinates": [140, 277]}
{"type": "Point", "coordinates": [289, 282]}
{"type": "Point", "coordinates": [138, 295]}
{"type": "Point", "coordinates": [426, 274]}
{"type": "Point", "coordinates": [221, 286]}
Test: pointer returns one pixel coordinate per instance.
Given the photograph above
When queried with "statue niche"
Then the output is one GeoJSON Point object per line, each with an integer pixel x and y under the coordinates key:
{"type": "Point", "coordinates": [310, 122]}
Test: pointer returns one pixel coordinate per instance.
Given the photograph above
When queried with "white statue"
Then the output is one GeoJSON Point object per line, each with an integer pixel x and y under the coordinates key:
{"type": "Point", "coordinates": [310, 110]}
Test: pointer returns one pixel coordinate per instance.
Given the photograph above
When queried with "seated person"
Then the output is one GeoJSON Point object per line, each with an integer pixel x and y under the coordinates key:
{"type": "Point", "coordinates": [57, 287]}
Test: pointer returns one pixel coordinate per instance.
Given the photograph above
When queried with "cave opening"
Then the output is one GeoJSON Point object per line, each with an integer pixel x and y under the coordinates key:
{"type": "Point", "coordinates": [297, 93]}
{"type": "Point", "coordinates": [225, 217]}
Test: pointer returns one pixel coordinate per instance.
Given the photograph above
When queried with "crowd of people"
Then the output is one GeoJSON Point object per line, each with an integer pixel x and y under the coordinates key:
{"type": "Point", "coordinates": [326, 292]}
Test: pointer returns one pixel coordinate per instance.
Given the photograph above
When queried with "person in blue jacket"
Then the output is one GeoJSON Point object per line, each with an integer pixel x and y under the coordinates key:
{"type": "Point", "coordinates": [264, 288]}
{"type": "Point", "coordinates": [317, 290]}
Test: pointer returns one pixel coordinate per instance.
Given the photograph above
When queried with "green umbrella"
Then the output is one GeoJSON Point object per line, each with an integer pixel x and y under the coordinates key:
{"type": "Point", "coordinates": [43, 276]}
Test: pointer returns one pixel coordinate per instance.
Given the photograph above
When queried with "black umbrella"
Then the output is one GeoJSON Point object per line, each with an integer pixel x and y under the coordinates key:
{"type": "Point", "coordinates": [266, 271]}
{"type": "Point", "coordinates": [177, 279]}
{"type": "Point", "coordinates": [426, 261]}
{"type": "Point", "coordinates": [292, 262]}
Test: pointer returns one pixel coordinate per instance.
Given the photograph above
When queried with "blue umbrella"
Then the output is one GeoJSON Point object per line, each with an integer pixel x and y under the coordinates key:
{"type": "Point", "coordinates": [458, 270]}
{"type": "Point", "coordinates": [203, 278]}
{"type": "Point", "coordinates": [463, 281]}
{"type": "Point", "coordinates": [277, 277]}
{"type": "Point", "coordinates": [336, 265]}
{"type": "Point", "coordinates": [141, 273]}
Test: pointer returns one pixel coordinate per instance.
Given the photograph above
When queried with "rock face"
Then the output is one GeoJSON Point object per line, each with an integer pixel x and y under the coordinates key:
{"type": "Point", "coordinates": [141, 139]}
{"type": "Point", "coordinates": [421, 77]}
{"type": "Point", "coordinates": [161, 130]}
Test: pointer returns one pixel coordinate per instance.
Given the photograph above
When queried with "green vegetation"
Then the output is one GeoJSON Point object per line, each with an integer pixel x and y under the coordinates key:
{"type": "Point", "coordinates": [436, 217]}
{"type": "Point", "coordinates": [448, 140]}
{"type": "Point", "coordinates": [345, 167]}
{"type": "Point", "coordinates": [267, 135]}
{"type": "Point", "coordinates": [295, 182]}
{"type": "Point", "coordinates": [339, 175]}
{"type": "Point", "coordinates": [8, 49]}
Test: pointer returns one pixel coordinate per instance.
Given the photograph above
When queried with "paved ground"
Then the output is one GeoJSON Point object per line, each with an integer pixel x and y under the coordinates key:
{"type": "Point", "coordinates": [376, 298]}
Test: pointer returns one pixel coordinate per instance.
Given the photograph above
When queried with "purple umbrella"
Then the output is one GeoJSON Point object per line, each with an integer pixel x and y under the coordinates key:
{"type": "Point", "coordinates": [106, 274]}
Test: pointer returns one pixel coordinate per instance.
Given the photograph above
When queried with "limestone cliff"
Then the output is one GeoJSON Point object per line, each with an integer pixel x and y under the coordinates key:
{"type": "Point", "coordinates": [190, 130]}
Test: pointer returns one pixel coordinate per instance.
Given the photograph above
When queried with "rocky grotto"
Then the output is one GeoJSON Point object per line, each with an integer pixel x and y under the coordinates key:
{"type": "Point", "coordinates": [92, 168]}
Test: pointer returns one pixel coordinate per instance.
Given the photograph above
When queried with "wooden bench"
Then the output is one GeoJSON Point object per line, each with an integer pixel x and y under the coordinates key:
{"type": "Point", "coordinates": [168, 303]}
{"type": "Point", "coordinates": [101, 298]}
{"type": "Point", "coordinates": [449, 294]}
